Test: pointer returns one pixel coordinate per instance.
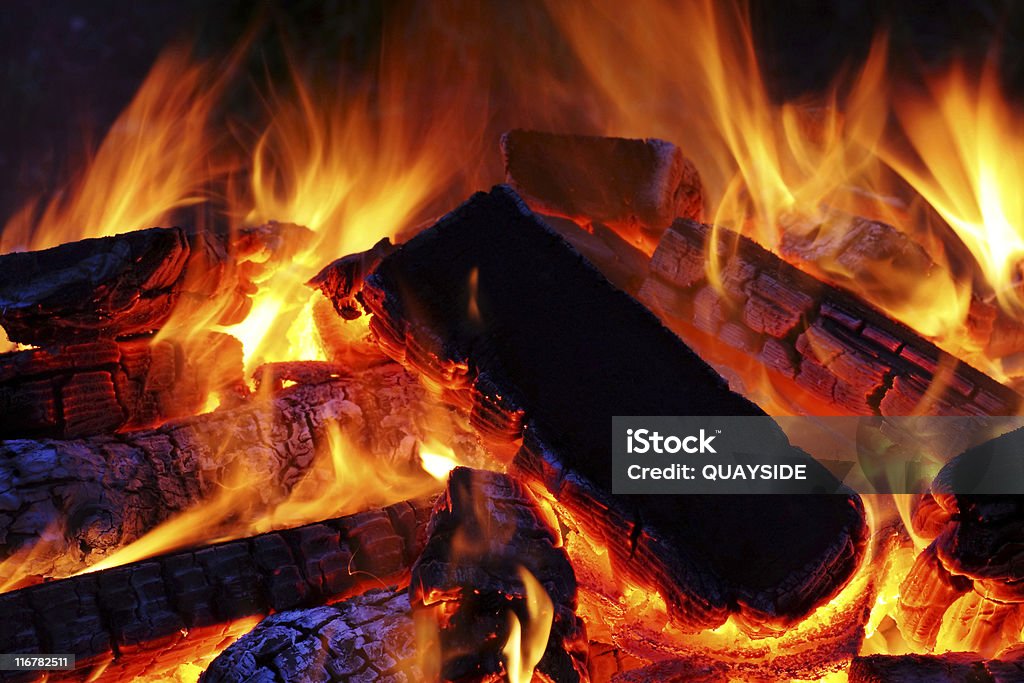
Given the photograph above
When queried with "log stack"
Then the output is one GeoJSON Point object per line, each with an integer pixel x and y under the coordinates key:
{"type": "Point", "coordinates": [69, 503]}
{"type": "Point", "coordinates": [92, 309]}
{"type": "Point", "coordinates": [552, 351]}
{"type": "Point", "coordinates": [151, 616]}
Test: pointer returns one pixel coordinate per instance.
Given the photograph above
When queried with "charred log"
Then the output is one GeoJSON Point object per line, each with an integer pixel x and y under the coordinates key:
{"type": "Point", "coordinates": [969, 580]}
{"type": "Point", "coordinates": [954, 667]}
{"type": "Point", "coordinates": [68, 504]}
{"type": "Point", "coordinates": [368, 637]}
{"type": "Point", "coordinates": [151, 616]}
{"type": "Point", "coordinates": [639, 186]}
{"type": "Point", "coordinates": [129, 284]}
{"type": "Point", "coordinates": [485, 529]}
{"type": "Point", "coordinates": [841, 350]}
{"type": "Point", "coordinates": [105, 385]}
{"type": "Point", "coordinates": [341, 280]}
{"type": "Point", "coordinates": [550, 339]}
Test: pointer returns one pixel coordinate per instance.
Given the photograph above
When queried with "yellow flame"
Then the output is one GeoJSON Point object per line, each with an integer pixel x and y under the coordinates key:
{"type": "Point", "coordinates": [525, 645]}
{"type": "Point", "coordinates": [157, 157]}
{"type": "Point", "coordinates": [343, 480]}
{"type": "Point", "coordinates": [437, 459]}
{"type": "Point", "coordinates": [965, 159]}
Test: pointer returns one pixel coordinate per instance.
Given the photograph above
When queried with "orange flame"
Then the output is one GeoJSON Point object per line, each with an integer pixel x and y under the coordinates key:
{"type": "Point", "coordinates": [157, 157]}
{"type": "Point", "coordinates": [965, 152]}
{"type": "Point", "coordinates": [343, 480]}
{"type": "Point", "coordinates": [525, 645]}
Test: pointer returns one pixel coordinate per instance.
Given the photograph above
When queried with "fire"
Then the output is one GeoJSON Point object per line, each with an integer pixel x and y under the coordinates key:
{"type": "Point", "coordinates": [965, 142]}
{"type": "Point", "coordinates": [526, 643]}
{"type": "Point", "coordinates": [690, 73]}
{"type": "Point", "coordinates": [158, 157]}
{"type": "Point", "coordinates": [343, 480]}
{"type": "Point", "coordinates": [438, 460]}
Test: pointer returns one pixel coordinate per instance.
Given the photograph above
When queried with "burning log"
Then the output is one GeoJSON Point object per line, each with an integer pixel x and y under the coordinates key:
{"type": "Point", "coordinates": [968, 581]}
{"type": "Point", "coordinates": [841, 350]}
{"type": "Point", "coordinates": [487, 542]}
{"type": "Point", "coordinates": [638, 186]}
{"type": "Point", "coordinates": [954, 667]}
{"type": "Point", "coordinates": [341, 280]}
{"type": "Point", "coordinates": [151, 616]}
{"type": "Point", "coordinates": [543, 341]}
{"type": "Point", "coordinates": [129, 284]}
{"type": "Point", "coordinates": [68, 504]}
{"type": "Point", "coordinates": [104, 385]}
{"type": "Point", "coordinates": [369, 637]}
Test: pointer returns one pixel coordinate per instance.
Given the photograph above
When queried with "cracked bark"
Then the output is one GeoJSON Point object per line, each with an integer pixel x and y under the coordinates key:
{"type": "Point", "coordinates": [66, 504]}
{"type": "Point", "coordinates": [151, 616]}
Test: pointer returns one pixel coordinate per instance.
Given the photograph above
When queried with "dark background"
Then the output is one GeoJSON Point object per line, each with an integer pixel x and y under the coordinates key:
{"type": "Point", "coordinates": [70, 67]}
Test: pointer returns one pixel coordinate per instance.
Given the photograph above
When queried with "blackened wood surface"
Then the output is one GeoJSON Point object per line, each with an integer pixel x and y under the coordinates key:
{"type": "Point", "coordinates": [638, 185]}
{"type": "Point", "coordinates": [66, 504]}
{"type": "Point", "coordinates": [484, 529]}
{"type": "Point", "coordinates": [102, 386]}
{"type": "Point", "coordinates": [368, 637]}
{"type": "Point", "coordinates": [954, 667]}
{"type": "Point", "coordinates": [551, 339]}
{"type": "Point", "coordinates": [129, 284]}
{"type": "Point", "coordinates": [153, 615]}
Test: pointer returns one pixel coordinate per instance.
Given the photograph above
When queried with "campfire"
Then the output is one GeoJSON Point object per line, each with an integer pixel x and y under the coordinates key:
{"type": "Point", "coordinates": [324, 388]}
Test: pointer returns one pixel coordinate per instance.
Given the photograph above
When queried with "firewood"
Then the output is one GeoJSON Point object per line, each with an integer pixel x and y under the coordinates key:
{"type": "Point", "coordinates": [953, 667]}
{"type": "Point", "coordinates": [846, 353]}
{"type": "Point", "coordinates": [368, 637]}
{"type": "Point", "coordinates": [130, 284]}
{"type": "Point", "coordinates": [150, 616]}
{"type": "Point", "coordinates": [864, 256]}
{"type": "Point", "coordinates": [853, 251]}
{"type": "Point", "coordinates": [68, 504]}
{"type": "Point", "coordinates": [553, 346]}
{"type": "Point", "coordinates": [484, 530]}
{"type": "Point", "coordinates": [969, 579]}
{"type": "Point", "coordinates": [341, 280]}
{"type": "Point", "coordinates": [637, 186]}
{"type": "Point", "coordinates": [105, 385]}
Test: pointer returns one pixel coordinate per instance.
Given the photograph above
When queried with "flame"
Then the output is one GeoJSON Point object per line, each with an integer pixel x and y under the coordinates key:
{"type": "Point", "coordinates": [965, 142]}
{"type": "Point", "coordinates": [343, 480]}
{"type": "Point", "coordinates": [690, 73]}
{"type": "Point", "coordinates": [526, 644]}
{"type": "Point", "coordinates": [157, 157]}
{"type": "Point", "coordinates": [438, 460]}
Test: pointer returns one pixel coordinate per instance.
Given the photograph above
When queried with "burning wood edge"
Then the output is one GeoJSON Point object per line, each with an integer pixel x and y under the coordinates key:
{"type": "Point", "coordinates": [68, 504]}
{"type": "Point", "coordinates": [636, 186]}
{"type": "Point", "coordinates": [104, 385]}
{"type": "Point", "coordinates": [467, 596]}
{"type": "Point", "coordinates": [838, 348]}
{"type": "Point", "coordinates": [967, 586]}
{"type": "Point", "coordinates": [368, 637]}
{"type": "Point", "coordinates": [862, 255]}
{"type": "Point", "coordinates": [954, 667]}
{"type": "Point", "coordinates": [492, 577]}
{"type": "Point", "coordinates": [151, 616]}
{"type": "Point", "coordinates": [550, 345]}
{"type": "Point", "coordinates": [129, 284]}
